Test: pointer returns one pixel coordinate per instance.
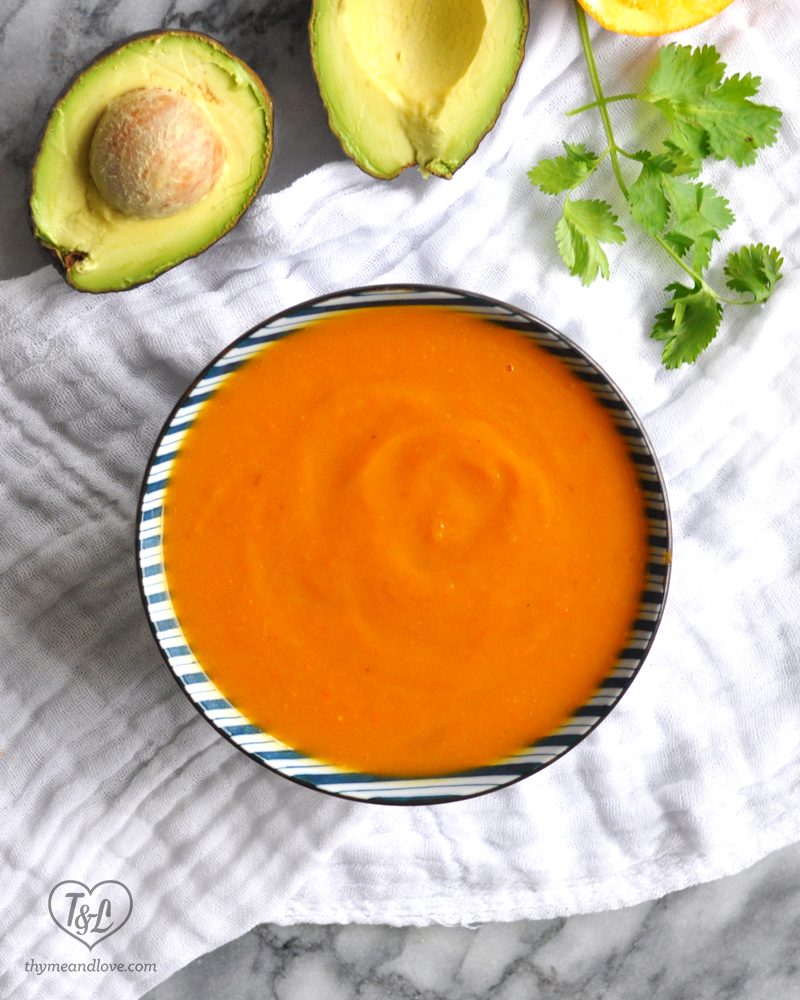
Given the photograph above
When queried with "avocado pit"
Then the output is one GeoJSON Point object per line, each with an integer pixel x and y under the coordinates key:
{"type": "Point", "coordinates": [151, 155]}
{"type": "Point", "coordinates": [154, 153]}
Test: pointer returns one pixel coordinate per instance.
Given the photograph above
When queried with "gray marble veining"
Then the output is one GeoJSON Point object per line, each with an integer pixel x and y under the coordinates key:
{"type": "Point", "coordinates": [737, 938]}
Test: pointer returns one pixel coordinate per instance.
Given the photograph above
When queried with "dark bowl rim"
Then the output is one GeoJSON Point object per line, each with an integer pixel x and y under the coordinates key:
{"type": "Point", "coordinates": [401, 287]}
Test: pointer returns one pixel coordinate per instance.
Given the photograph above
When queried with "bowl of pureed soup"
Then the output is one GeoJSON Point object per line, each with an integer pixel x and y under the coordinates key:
{"type": "Point", "coordinates": [404, 544]}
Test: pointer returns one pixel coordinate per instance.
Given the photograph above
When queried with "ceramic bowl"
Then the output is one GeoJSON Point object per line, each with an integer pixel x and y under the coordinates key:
{"type": "Point", "coordinates": [315, 774]}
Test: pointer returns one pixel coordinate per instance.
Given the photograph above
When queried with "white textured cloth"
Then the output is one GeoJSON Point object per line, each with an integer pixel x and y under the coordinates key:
{"type": "Point", "coordinates": [109, 773]}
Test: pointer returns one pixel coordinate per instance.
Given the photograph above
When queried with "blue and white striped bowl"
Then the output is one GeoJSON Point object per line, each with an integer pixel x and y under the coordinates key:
{"type": "Point", "coordinates": [325, 777]}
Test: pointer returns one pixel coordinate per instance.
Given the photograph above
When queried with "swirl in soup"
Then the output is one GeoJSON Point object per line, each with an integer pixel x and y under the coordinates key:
{"type": "Point", "coordinates": [405, 540]}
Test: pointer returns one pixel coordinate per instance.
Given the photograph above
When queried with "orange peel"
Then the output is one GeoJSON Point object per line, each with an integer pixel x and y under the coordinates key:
{"type": "Point", "coordinates": [651, 17]}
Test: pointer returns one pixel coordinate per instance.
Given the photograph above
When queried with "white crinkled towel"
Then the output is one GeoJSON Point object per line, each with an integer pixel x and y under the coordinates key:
{"type": "Point", "coordinates": [107, 770]}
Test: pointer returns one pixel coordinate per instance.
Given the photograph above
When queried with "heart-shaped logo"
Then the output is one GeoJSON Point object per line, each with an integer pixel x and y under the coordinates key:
{"type": "Point", "coordinates": [90, 915]}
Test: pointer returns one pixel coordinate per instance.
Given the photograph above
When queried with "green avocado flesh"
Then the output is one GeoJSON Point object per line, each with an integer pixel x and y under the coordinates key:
{"type": "Point", "coordinates": [102, 249]}
{"type": "Point", "coordinates": [415, 81]}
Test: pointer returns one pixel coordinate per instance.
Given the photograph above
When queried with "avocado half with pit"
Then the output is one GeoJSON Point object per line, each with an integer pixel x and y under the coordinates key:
{"type": "Point", "coordinates": [415, 81]}
{"type": "Point", "coordinates": [152, 155]}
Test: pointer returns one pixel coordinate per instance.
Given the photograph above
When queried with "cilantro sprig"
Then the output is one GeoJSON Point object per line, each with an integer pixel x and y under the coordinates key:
{"type": "Point", "coordinates": [709, 115]}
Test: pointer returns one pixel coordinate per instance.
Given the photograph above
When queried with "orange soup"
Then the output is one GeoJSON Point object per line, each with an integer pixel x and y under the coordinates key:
{"type": "Point", "coordinates": [405, 540]}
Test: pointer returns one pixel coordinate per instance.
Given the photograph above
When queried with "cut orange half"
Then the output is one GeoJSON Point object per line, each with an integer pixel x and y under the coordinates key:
{"type": "Point", "coordinates": [651, 17]}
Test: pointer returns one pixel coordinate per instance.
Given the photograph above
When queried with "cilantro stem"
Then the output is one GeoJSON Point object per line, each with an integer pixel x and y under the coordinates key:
{"type": "Point", "coordinates": [613, 149]}
{"type": "Point", "coordinates": [607, 100]}
{"type": "Point", "coordinates": [697, 278]}
{"type": "Point", "coordinates": [597, 87]}
{"type": "Point", "coordinates": [736, 302]}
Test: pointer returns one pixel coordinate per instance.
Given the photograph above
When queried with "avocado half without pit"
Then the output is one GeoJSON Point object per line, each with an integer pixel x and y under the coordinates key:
{"type": "Point", "coordinates": [415, 81]}
{"type": "Point", "coordinates": [152, 155]}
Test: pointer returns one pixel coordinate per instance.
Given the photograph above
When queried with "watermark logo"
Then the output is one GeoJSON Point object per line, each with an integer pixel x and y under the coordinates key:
{"type": "Point", "coordinates": [90, 915]}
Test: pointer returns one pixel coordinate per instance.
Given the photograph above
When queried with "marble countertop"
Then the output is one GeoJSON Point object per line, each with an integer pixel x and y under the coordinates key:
{"type": "Point", "coordinates": [734, 938]}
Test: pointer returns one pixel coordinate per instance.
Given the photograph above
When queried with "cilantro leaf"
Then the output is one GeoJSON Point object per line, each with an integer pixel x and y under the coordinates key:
{"type": "Point", "coordinates": [646, 196]}
{"type": "Point", "coordinates": [579, 233]}
{"type": "Point", "coordinates": [563, 173]}
{"type": "Point", "coordinates": [680, 244]}
{"type": "Point", "coordinates": [741, 125]}
{"type": "Point", "coordinates": [698, 208]}
{"type": "Point", "coordinates": [754, 269]}
{"type": "Point", "coordinates": [699, 213]}
{"type": "Point", "coordinates": [685, 72]}
{"type": "Point", "coordinates": [688, 324]}
{"type": "Point", "coordinates": [708, 113]}
{"type": "Point", "coordinates": [703, 246]}
{"type": "Point", "coordinates": [688, 146]}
